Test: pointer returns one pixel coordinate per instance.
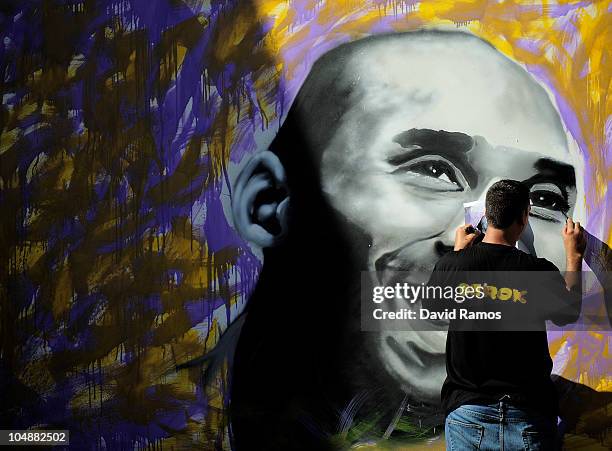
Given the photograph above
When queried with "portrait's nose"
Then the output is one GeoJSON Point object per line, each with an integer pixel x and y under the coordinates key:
{"type": "Point", "coordinates": [481, 193]}
{"type": "Point", "coordinates": [446, 243]}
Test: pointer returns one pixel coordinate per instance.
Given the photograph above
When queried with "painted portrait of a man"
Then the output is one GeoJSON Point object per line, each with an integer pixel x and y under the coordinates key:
{"type": "Point", "coordinates": [386, 139]}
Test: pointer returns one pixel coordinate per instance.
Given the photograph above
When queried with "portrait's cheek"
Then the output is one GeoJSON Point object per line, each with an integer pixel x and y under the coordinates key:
{"type": "Point", "coordinates": [548, 242]}
{"type": "Point", "coordinates": [390, 211]}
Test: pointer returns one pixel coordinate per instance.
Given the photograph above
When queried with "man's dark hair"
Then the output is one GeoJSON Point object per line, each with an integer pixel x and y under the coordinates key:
{"type": "Point", "coordinates": [506, 203]}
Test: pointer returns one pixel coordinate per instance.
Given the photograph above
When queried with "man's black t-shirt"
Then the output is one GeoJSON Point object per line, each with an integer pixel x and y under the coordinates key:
{"type": "Point", "coordinates": [483, 366]}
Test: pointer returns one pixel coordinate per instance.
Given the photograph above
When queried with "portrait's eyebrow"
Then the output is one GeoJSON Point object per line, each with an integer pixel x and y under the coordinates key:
{"type": "Point", "coordinates": [433, 141]}
{"type": "Point", "coordinates": [424, 141]}
{"type": "Point", "coordinates": [551, 171]}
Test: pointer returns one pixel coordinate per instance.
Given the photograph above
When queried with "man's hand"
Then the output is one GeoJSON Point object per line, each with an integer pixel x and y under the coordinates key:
{"type": "Point", "coordinates": [574, 242]}
{"type": "Point", "coordinates": [465, 236]}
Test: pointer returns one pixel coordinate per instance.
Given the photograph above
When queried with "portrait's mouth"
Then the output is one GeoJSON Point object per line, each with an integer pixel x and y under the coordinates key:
{"type": "Point", "coordinates": [391, 276]}
{"type": "Point", "coordinates": [409, 257]}
{"type": "Point", "coordinates": [400, 266]}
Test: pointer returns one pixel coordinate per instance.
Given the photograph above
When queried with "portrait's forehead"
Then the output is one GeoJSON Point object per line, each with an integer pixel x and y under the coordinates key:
{"type": "Point", "coordinates": [453, 82]}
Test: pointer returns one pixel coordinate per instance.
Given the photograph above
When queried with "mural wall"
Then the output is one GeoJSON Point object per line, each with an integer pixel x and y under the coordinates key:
{"type": "Point", "coordinates": [161, 288]}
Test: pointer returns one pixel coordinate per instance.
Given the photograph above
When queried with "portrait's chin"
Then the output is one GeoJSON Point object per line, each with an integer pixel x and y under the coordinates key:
{"type": "Point", "coordinates": [415, 360]}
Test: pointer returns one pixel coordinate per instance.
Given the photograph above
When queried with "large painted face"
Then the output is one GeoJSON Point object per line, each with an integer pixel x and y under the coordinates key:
{"type": "Point", "coordinates": [433, 124]}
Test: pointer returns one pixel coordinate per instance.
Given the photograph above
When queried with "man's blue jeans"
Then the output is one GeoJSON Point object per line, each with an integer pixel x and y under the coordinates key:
{"type": "Point", "coordinates": [498, 427]}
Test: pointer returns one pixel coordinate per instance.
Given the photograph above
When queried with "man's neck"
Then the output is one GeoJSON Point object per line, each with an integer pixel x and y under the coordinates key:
{"type": "Point", "coordinates": [500, 236]}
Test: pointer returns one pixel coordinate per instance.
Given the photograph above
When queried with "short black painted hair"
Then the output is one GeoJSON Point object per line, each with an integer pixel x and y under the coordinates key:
{"type": "Point", "coordinates": [506, 202]}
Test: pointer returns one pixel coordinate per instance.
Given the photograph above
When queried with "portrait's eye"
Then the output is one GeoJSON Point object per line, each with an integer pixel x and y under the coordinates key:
{"type": "Point", "coordinates": [432, 172]}
{"type": "Point", "coordinates": [548, 202]}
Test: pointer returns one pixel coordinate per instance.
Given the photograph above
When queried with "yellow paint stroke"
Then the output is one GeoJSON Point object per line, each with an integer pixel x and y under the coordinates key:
{"type": "Point", "coordinates": [8, 139]}
{"type": "Point", "coordinates": [63, 293]}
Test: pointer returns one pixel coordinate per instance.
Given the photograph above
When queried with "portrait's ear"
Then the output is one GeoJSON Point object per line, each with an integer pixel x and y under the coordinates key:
{"type": "Point", "coordinates": [260, 198]}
